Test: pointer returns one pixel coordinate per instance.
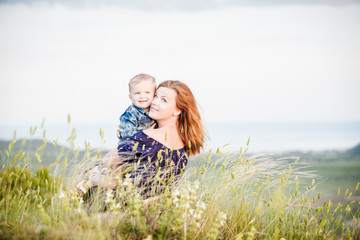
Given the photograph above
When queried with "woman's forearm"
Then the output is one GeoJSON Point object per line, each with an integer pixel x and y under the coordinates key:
{"type": "Point", "coordinates": [105, 181]}
{"type": "Point", "coordinates": [111, 160]}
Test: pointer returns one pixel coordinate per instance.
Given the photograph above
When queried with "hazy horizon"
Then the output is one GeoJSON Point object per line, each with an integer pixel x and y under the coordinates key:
{"type": "Point", "coordinates": [265, 136]}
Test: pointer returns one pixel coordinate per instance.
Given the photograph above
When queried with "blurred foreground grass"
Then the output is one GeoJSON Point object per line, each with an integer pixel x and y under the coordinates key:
{"type": "Point", "coordinates": [220, 196]}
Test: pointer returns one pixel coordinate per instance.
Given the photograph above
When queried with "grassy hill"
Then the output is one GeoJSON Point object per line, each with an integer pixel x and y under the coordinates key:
{"type": "Point", "coordinates": [218, 197]}
{"type": "Point", "coordinates": [38, 153]}
{"type": "Point", "coordinates": [334, 168]}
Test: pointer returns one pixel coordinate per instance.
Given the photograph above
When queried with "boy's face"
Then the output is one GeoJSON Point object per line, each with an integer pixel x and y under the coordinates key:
{"type": "Point", "coordinates": [142, 94]}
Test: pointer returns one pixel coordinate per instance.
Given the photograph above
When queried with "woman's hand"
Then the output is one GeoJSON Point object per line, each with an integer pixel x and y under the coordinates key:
{"type": "Point", "coordinates": [105, 181]}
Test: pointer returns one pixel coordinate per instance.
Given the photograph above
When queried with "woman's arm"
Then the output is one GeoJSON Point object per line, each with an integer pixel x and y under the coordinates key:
{"type": "Point", "coordinates": [111, 159]}
{"type": "Point", "coordinates": [105, 181]}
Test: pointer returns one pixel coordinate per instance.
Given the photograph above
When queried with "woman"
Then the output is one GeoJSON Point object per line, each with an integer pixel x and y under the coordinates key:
{"type": "Point", "coordinates": [159, 154]}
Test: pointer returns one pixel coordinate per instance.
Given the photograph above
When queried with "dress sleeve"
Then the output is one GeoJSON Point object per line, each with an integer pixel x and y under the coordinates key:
{"type": "Point", "coordinates": [128, 124]}
{"type": "Point", "coordinates": [132, 146]}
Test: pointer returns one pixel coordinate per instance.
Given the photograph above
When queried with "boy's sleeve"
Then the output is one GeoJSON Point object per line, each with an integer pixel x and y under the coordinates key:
{"type": "Point", "coordinates": [128, 124]}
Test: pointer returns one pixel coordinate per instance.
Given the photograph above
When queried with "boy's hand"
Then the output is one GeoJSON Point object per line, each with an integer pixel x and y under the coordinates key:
{"type": "Point", "coordinates": [118, 132]}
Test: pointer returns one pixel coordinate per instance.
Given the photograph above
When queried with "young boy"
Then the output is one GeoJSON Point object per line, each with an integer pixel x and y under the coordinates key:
{"type": "Point", "coordinates": [142, 89]}
{"type": "Point", "coordinates": [136, 117]}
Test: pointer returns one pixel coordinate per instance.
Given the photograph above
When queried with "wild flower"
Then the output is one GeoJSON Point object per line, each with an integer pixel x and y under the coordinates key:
{"type": "Point", "coordinates": [191, 211]}
{"type": "Point", "coordinates": [176, 193]}
{"type": "Point", "coordinates": [222, 218]}
{"type": "Point", "coordinates": [201, 205]}
{"type": "Point", "coordinates": [61, 194]}
{"type": "Point", "coordinates": [109, 196]}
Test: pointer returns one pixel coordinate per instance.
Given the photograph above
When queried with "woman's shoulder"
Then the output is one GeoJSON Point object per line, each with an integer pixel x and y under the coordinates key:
{"type": "Point", "coordinates": [153, 133]}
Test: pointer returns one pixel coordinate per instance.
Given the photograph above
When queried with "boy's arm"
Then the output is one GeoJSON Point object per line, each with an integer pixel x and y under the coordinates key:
{"type": "Point", "coordinates": [118, 132]}
{"type": "Point", "coordinates": [128, 124]}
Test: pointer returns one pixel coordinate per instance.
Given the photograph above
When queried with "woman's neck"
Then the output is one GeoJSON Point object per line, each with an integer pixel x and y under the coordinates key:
{"type": "Point", "coordinates": [169, 123]}
{"type": "Point", "coordinates": [167, 134]}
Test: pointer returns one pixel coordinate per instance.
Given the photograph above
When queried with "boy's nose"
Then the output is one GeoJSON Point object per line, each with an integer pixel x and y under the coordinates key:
{"type": "Point", "coordinates": [143, 95]}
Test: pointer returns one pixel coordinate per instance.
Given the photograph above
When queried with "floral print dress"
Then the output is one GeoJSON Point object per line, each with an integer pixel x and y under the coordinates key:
{"type": "Point", "coordinates": [150, 161]}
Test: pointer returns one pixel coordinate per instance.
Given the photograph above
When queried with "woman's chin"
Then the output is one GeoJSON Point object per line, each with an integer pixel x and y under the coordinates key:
{"type": "Point", "coordinates": [152, 115]}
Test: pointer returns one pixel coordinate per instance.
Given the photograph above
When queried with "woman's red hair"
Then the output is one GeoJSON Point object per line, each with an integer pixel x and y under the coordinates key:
{"type": "Point", "coordinates": [190, 126]}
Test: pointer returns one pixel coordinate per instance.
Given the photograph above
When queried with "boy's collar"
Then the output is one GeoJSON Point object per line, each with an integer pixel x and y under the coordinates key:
{"type": "Point", "coordinates": [140, 109]}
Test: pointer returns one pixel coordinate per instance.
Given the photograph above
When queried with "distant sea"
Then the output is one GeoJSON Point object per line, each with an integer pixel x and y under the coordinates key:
{"type": "Point", "coordinates": [264, 136]}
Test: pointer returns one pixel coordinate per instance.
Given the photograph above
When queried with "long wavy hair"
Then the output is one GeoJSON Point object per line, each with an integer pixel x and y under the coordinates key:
{"type": "Point", "coordinates": [190, 126]}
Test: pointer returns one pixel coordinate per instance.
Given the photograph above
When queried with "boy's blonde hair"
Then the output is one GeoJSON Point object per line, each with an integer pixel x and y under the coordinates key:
{"type": "Point", "coordinates": [140, 78]}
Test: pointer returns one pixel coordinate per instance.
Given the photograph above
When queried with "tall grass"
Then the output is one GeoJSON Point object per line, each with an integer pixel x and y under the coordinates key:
{"type": "Point", "coordinates": [219, 196]}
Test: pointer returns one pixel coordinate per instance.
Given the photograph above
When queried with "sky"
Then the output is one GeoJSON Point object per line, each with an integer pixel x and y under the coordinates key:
{"type": "Point", "coordinates": [243, 60]}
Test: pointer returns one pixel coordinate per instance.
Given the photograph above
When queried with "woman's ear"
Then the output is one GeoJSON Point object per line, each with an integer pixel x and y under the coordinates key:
{"type": "Point", "coordinates": [177, 113]}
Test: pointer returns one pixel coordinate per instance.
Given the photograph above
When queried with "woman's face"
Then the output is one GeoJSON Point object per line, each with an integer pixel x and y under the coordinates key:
{"type": "Point", "coordinates": [163, 105]}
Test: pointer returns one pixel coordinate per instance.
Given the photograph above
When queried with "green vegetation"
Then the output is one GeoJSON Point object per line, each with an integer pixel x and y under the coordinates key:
{"type": "Point", "coordinates": [334, 169]}
{"type": "Point", "coordinates": [220, 196]}
{"type": "Point", "coordinates": [335, 175]}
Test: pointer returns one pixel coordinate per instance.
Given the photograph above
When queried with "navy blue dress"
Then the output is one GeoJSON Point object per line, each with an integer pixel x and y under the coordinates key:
{"type": "Point", "coordinates": [151, 160]}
